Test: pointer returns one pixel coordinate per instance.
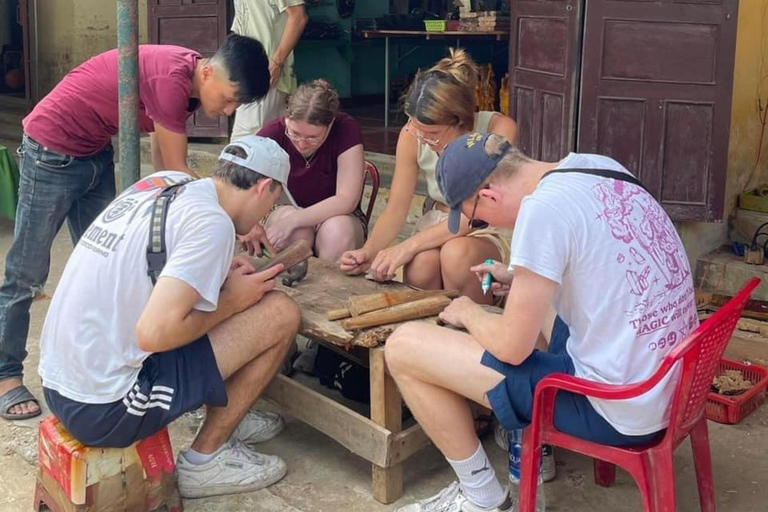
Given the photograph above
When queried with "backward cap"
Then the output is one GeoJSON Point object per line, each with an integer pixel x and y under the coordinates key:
{"type": "Point", "coordinates": [462, 168]}
{"type": "Point", "coordinates": [264, 156]}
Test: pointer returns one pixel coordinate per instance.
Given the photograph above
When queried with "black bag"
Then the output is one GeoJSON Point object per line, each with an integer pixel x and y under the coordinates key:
{"type": "Point", "coordinates": [337, 372]}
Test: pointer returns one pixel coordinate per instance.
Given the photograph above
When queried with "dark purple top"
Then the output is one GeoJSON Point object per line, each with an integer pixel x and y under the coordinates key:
{"type": "Point", "coordinates": [314, 183]}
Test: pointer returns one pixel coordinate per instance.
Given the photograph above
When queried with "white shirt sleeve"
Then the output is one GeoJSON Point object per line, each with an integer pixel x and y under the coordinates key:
{"type": "Point", "coordinates": [201, 254]}
{"type": "Point", "coordinates": [282, 5]}
{"type": "Point", "coordinates": [542, 240]}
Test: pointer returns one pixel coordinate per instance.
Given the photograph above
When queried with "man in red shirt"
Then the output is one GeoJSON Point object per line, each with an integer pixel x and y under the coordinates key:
{"type": "Point", "coordinates": [67, 167]}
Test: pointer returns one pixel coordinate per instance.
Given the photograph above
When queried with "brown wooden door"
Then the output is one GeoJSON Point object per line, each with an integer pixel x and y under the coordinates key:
{"type": "Point", "coordinates": [544, 54]}
{"type": "Point", "coordinates": [656, 96]}
{"type": "Point", "coordinates": [200, 25]}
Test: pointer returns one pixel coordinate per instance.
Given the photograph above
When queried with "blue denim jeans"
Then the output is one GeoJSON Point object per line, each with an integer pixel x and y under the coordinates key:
{"type": "Point", "coordinates": [53, 187]}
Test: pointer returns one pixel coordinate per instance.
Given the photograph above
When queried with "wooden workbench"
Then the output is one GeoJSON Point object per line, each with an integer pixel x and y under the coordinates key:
{"type": "Point", "coordinates": [379, 439]}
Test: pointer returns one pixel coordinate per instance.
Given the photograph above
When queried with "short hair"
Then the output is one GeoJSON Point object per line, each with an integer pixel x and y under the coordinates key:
{"type": "Point", "coordinates": [445, 94]}
{"type": "Point", "coordinates": [235, 174]}
{"type": "Point", "coordinates": [315, 103]}
{"type": "Point", "coordinates": [246, 64]}
{"type": "Point", "coordinates": [510, 163]}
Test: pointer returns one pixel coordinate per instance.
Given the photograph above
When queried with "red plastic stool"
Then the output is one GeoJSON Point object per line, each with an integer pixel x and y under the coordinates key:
{"type": "Point", "coordinates": [73, 477]}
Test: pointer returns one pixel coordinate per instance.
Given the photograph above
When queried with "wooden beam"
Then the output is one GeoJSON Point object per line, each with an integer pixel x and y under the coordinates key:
{"type": "Point", "coordinates": [754, 350]}
{"type": "Point", "coordinates": [408, 442]}
{"type": "Point", "coordinates": [387, 411]}
{"type": "Point", "coordinates": [355, 432]}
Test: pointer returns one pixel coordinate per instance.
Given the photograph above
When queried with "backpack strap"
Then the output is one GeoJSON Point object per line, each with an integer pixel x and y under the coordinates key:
{"type": "Point", "coordinates": [604, 173]}
{"type": "Point", "coordinates": [156, 251]}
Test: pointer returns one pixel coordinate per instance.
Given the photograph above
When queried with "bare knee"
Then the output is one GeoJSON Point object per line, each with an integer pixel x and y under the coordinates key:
{"type": "Point", "coordinates": [398, 347]}
{"type": "Point", "coordinates": [423, 270]}
{"type": "Point", "coordinates": [338, 235]}
{"type": "Point", "coordinates": [284, 314]}
{"type": "Point", "coordinates": [454, 254]}
{"type": "Point", "coordinates": [457, 256]}
{"type": "Point", "coordinates": [279, 214]}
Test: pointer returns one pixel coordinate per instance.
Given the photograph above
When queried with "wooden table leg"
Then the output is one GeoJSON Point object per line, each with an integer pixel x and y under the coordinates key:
{"type": "Point", "coordinates": [386, 410]}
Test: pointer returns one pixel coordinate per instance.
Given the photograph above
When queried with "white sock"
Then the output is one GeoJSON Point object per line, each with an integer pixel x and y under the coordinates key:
{"type": "Point", "coordinates": [197, 458]}
{"type": "Point", "coordinates": [478, 479]}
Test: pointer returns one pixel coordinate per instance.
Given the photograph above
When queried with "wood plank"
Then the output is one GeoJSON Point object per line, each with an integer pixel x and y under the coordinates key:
{"type": "Point", "coordinates": [386, 410]}
{"type": "Point", "coordinates": [423, 308]}
{"type": "Point", "coordinates": [756, 309]}
{"type": "Point", "coordinates": [408, 442]}
{"type": "Point", "coordinates": [361, 304]}
{"type": "Point", "coordinates": [324, 288]}
{"type": "Point", "coordinates": [355, 432]}
{"type": "Point", "coordinates": [748, 347]}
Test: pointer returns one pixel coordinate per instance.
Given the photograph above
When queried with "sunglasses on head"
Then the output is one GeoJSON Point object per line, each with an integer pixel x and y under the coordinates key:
{"type": "Point", "coordinates": [473, 222]}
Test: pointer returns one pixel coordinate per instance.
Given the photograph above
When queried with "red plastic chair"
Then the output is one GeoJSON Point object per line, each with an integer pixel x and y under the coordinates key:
{"type": "Point", "coordinates": [372, 172]}
{"type": "Point", "coordinates": [650, 465]}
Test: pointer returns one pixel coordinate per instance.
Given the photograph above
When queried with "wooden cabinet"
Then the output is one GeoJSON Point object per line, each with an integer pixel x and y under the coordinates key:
{"type": "Point", "coordinates": [647, 82]}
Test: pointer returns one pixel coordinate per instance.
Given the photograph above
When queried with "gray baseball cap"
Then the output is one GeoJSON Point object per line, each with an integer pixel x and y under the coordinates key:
{"type": "Point", "coordinates": [264, 156]}
{"type": "Point", "coordinates": [463, 166]}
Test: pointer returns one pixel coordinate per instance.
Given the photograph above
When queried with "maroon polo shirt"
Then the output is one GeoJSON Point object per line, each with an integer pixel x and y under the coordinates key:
{"type": "Point", "coordinates": [80, 115]}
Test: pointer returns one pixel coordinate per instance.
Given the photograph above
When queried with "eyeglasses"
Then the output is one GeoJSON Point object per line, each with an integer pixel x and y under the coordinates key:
{"type": "Point", "coordinates": [419, 137]}
{"type": "Point", "coordinates": [476, 223]}
{"type": "Point", "coordinates": [311, 140]}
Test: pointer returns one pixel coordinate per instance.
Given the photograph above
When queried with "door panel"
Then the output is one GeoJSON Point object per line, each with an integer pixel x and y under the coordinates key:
{"type": "Point", "coordinates": [200, 25]}
{"type": "Point", "coordinates": [543, 62]}
{"type": "Point", "coordinates": [656, 96]}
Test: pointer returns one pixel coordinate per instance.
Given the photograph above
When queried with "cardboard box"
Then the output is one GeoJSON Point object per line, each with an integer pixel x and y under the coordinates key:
{"type": "Point", "coordinates": [74, 477]}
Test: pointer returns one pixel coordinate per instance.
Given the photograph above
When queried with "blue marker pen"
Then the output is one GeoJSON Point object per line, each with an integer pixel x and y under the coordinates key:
{"type": "Point", "coordinates": [487, 279]}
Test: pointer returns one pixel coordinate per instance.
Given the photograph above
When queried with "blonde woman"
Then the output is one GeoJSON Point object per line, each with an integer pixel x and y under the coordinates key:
{"type": "Point", "coordinates": [440, 105]}
{"type": "Point", "coordinates": [325, 148]}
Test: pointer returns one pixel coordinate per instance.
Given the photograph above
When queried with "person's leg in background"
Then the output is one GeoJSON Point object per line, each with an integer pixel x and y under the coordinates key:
{"type": "Point", "coordinates": [457, 256]}
{"type": "Point", "coordinates": [100, 193]}
{"type": "Point", "coordinates": [50, 184]}
{"type": "Point", "coordinates": [337, 235]}
{"type": "Point", "coordinates": [251, 117]}
{"type": "Point", "coordinates": [423, 271]}
{"type": "Point", "coordinates": [274, 221]}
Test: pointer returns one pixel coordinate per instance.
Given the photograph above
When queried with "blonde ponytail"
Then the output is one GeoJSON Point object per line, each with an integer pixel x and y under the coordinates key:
{"type": "Point", "coordinates": [445, 94]}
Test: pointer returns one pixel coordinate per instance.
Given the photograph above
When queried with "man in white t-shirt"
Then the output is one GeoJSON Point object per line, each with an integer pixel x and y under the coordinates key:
{"type": "Point", "coordinates": [592, 245]}
{"type": "Point", "coordinates": [278, 25]}
{"type": "Point", "coordinates": [120, 358]}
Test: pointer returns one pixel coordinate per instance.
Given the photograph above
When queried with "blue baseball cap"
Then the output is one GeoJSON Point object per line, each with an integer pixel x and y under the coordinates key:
{"type": "Point", "coordinates": [462, 168]}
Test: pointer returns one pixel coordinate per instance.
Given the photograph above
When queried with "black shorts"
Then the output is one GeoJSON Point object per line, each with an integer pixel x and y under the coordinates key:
{"type": "Point", "coordinates": [169, 384]}
{"type": "Point", "coordinates": [512, 399]}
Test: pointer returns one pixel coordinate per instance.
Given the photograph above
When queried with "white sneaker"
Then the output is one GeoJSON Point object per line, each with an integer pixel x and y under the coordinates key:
{"type": "Point", "coordinates": [235, 469]}
{"type": "Point", "coordinates": [548, 468]}
{"type": "Point", "coordinates": [451, 499]}
{"type": "Point", "coordinates": [258, 427]}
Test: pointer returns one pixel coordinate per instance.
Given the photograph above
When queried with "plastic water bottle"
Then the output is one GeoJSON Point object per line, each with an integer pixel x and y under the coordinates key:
{"type": "Point", "coordinates": [515, 441]}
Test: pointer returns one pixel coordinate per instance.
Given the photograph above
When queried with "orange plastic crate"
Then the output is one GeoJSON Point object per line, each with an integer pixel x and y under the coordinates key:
{"type": "Point", "coordinates": [734, 408]}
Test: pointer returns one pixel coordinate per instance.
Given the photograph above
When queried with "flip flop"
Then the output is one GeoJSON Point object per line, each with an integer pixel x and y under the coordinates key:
{"type": "Point", "coordinates": [18, 396]}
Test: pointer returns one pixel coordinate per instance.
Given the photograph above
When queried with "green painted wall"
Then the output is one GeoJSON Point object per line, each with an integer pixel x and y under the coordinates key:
{"type": "Point", "coordinates": [358, 69]}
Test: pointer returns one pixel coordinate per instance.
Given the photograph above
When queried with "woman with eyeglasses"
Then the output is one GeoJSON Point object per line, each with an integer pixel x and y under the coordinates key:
{"type": "Point", "coordinates": [325, 148]}
{"type": "Point", "coordinates": [440, 105]}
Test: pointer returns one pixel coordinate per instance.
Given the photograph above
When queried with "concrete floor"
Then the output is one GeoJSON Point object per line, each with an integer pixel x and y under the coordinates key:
{"type": "Point", "coordinates": [324, 477]}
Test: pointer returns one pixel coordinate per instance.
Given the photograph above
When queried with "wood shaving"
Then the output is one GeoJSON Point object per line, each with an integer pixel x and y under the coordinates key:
{"type": "Point", "coordinates": [374, 337]}
{"type": "Point", "coordinates": [731, 382]}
